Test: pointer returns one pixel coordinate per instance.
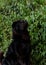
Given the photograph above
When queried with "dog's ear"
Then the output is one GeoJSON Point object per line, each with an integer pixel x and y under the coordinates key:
{"type": "Point", "coordinates": [26, 24]}
{"type": "Point", "coordinates": [14, 24]}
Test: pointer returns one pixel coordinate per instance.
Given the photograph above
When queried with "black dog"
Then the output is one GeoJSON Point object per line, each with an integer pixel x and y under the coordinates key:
{"type": "Point", "coordinates": [19, 51]}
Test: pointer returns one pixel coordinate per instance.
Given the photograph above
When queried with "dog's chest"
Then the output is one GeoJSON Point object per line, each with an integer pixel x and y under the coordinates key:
{"type": "Point", "coordinates": [20, 62]}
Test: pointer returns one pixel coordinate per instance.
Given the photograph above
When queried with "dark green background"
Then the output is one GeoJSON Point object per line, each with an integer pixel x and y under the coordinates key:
{"type": "Point", "coordinates": [34, 11]}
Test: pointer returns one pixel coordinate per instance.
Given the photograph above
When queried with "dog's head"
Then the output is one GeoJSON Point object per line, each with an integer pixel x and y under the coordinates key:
{"type": "Point", "coordinates": [20, 26]}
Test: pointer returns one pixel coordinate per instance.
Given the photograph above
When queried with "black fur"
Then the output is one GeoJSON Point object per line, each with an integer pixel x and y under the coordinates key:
{"type": "Point", "coordinates": [1, 57]}
{"type": "Point", "coordinates": [19, 50]}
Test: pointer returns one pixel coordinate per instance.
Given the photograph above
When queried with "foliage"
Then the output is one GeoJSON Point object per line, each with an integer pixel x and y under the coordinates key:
{"type": "Point", "coordinates": [34, 11]}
